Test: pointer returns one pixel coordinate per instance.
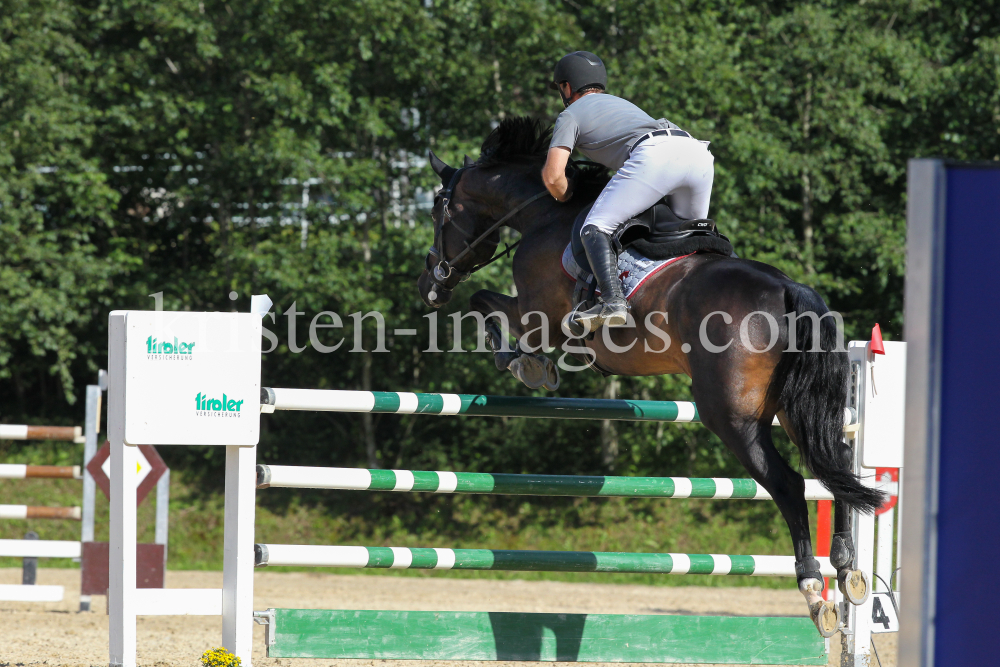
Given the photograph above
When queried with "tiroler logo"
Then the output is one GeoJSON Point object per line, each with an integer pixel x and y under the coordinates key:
{"type": "Point", "coordinates": [217, 407]}
{"type": "Point", "coordinates": [169, 350]}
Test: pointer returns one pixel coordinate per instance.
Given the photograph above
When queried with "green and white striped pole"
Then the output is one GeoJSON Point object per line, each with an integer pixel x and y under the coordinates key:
{"type": "Point", "coordinates": [479, 405]}
{"type": "Point", "coordinates": [535, 561]}
{"type": "Point", "coordinates": [358, 479]}
{"type": "Point", "coordinates": [475, 405]}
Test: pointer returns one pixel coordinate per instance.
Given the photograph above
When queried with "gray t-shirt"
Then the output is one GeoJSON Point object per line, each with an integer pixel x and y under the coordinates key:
{"type": "Point", "coordinates": [603, 127]}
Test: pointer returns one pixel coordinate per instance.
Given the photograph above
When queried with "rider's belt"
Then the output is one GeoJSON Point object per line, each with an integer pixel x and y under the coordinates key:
{"type": "Point", "coordinates": [658, 133]}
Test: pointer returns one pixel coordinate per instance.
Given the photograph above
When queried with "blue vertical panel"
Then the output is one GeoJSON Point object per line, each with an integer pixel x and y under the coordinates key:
{"type": "Point", "coordinates": [969, 465]}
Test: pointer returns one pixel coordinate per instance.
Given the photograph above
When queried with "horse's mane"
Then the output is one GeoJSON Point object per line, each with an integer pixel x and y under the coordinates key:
{"type": "Point", "coordinates": [520, 140]}
{"type": "Point", "coordinates": [517, 139]}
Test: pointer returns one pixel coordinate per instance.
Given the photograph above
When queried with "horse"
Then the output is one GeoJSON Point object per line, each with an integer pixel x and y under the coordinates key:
{"type": "Point", "coordinates": [734, 328]}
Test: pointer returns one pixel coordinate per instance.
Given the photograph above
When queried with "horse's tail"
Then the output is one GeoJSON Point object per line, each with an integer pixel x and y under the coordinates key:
{"type": "Point", "coordinates": [811, 388]}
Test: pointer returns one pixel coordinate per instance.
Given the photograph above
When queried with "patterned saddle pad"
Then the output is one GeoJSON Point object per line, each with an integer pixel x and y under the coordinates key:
{"type": "Point", "coordinates": [634, 269]}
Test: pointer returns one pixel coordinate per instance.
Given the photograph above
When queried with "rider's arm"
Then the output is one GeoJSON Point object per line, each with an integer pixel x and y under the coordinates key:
{"type": "Point", "coordinates": [554, 173]}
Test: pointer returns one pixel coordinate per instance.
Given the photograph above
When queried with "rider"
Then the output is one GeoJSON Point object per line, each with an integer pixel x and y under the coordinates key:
{"type": "Point", "coordinates": [651, 159]}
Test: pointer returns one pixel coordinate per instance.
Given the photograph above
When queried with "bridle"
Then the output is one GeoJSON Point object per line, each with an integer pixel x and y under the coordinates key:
{"type": "Point", "coordinates": [445, 268]}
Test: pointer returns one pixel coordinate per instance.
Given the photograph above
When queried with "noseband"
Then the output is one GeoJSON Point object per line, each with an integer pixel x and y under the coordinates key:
{"type": "Point", "coordinates": [445, 268]}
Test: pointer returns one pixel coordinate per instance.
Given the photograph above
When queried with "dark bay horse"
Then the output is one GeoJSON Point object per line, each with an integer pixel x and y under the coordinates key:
{"type": "Point", "coordinates": [735, 328]}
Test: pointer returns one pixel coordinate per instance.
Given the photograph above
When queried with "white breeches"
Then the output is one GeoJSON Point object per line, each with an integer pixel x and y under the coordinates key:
{"type": "Point", "coordinates": [677, 166]}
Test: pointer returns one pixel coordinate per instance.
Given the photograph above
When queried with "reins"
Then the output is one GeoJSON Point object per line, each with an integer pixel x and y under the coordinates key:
{"type": "Point", "coordinates": [496, 225]}
{"type": "Point", "coordinates": [444, 268]}
{"type": "Point", "coordinates": [499, 255]}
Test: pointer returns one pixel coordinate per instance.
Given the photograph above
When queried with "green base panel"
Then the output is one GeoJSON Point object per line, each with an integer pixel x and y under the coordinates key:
{"type": "Point", "coordinates": [464, 635]}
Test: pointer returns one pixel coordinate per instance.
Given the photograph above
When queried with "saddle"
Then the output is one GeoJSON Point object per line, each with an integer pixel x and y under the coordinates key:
{"type": "Point", "coordinates": [657, 233]}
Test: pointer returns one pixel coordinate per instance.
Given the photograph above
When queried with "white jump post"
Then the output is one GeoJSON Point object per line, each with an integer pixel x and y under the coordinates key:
{"type": "Point", "coordinates": [879, 391]}
{"type": "Point", "coordinates": [182, 378]}
{"type": "Point", "coordinates": [122, 529]}
{"type": "Point", "coordinates": [238, 541]}
{"type": "Point", "coordinates": [884, 553]}
{"type": "Point", "coordinates": [91, 429]}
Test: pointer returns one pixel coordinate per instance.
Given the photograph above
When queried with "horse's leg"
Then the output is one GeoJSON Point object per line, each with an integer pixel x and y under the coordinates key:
{"type": "Point", "coordinates": [534, 370]}
{"type": "Point", "coordinates": [488, 303]}
{"type": "Point", "coordinates": [854, 584]}
{"type": "Point", "coordinates": [749, 438]}
{"type": "Point", "coordinates": [543, 297]}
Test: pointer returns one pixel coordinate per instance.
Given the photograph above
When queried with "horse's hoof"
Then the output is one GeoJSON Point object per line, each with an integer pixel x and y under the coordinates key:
{"type": "Point", "coordinates": [504, 359]}
{"type": "Point", "coordinates": [854, 585]}
{"type": "Point", "coordinates": [529, 370]}
{"type": "Point", "coordinates": [826, 616]}
{"type": "Point", "coordinates": [551, 375]}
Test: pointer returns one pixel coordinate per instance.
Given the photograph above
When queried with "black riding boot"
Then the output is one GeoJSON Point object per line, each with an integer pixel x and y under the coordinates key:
{"type": "Point", "coordinates": [613, 308]}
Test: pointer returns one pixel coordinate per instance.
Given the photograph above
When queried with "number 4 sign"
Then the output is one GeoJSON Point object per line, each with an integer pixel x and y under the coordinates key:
{"type": "Point", "coordinates": [884, 618]}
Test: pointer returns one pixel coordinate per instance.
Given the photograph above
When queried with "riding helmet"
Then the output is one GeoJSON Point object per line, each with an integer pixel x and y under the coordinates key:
{"type": "Point", "coordinates": [580, 69]}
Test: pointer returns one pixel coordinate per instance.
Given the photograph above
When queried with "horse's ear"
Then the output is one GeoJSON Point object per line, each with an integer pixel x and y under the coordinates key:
{"type": "Point", "coordinates": [469, 162]}
{"type": "Point", "coordinates": [441, 168]}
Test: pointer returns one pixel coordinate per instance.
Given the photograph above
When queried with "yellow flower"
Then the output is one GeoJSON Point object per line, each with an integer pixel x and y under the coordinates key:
{"type": "Point", "coordinates": [219, 657]}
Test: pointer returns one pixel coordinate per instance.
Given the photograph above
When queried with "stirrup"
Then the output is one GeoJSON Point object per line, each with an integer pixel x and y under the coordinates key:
{"type": "Point", "coordinates": [574, 323]}
{"type": "Point", "coordinates": [613, 314]}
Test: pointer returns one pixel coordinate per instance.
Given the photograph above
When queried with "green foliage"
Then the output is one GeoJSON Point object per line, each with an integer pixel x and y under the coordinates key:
{"type": "Point", "coordinates": [202, 148]}
{"type": "Point", "coordinates": [55, 201]}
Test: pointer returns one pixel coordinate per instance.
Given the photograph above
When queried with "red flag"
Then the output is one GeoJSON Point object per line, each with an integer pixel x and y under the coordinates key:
{"type": "Point", "coordinates": [823, 535]}
{"type": "Point", "coordinates": [887, 475]}
{"type": "Point", "coordinates": [876, 345]}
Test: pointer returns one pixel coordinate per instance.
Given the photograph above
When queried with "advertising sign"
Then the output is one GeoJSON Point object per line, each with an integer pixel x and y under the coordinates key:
{"type": "Point", "coordinates": [190, 378]}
